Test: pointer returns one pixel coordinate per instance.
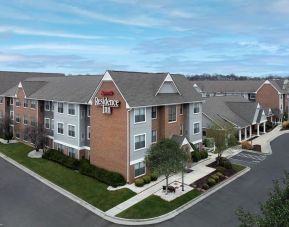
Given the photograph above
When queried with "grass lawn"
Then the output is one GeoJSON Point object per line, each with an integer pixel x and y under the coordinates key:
{"type": "Point", "coordinates": [154, 206]}
{"type": "Point", "coordinates": [89, 189]}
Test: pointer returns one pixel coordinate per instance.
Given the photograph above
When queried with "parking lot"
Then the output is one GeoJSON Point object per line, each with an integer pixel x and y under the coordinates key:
{"type": "Point", "coordinates": [248, 158]}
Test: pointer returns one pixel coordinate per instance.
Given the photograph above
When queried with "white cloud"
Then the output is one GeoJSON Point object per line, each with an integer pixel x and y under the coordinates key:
{"type": "Point", "coordinates": [281, 6]}
{"type": "Point", "coordinates": [261, 46]}
{"type": "Point", "coordinates": [27, 31]}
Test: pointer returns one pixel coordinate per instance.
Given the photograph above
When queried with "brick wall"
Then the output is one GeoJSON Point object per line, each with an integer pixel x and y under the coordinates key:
{"type": "Point", "coordinates": [267, 96]}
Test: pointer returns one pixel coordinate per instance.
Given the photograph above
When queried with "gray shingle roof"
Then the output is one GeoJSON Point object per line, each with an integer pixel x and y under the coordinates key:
{"type": "Point", "coordinates": [139, 88]}
{"type": "Point", "coordinates": [11, 79]}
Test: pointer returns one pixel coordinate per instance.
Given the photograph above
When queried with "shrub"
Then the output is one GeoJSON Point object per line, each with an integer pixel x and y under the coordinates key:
{"type": "Point", "coordinates": [208, 142]}
{"type": "Point", "coordinates": [246, 145]}
{"type": "Point", "coordinates": [154, 177]}
{"type": "Point", "coordinates": [227, 164]}
{"type": "Point", "coordinates": [147, 179]}
{"type": "Point", "coordinates": [194, 147]}
{"type": "Point", "coordinates": [203, 154]}
{"type": "Point", "coordinates": [232, 141]}
{"type": "Point", "coordinates": [215, 177]}
{"type": "Point", "coordinates": [285, 125]}
{"type": "Point", "coordinates": [196, 156]}
{"type": "Point", "coordinates": [221, 169]}
{"type": "Point", "coordinates": [220, 175]}
{"type": "Point", "coordinates": [205, 186]}
{"type": "Point", "coordinates": [211, 182]}
{"type": "Point", "coordinates": [139, 182]}
{"type": "Point", "coordinates": [110, 178]}
{"type": "Point", "coordinates": [269, 125]}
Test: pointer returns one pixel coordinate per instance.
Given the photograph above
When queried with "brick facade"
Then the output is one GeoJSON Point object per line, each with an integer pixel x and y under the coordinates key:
{"type": "Point", "coordinates": [267, 96]}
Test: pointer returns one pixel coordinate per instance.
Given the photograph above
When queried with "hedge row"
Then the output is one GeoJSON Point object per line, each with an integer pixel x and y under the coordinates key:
{"type": "Point", "coordinates": [198, 155]}
{"type": "Point", "coordinates": [84, 167]}
{"type": "Point", "coordinates": [145, 180]}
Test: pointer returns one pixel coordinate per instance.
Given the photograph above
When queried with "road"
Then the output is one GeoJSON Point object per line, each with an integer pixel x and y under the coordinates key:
{"type": "Point", "coordinates": [24, 201]}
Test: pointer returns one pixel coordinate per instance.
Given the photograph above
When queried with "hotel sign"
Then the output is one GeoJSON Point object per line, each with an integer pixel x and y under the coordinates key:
{"type": "Point", "coordinates": [106, 102]}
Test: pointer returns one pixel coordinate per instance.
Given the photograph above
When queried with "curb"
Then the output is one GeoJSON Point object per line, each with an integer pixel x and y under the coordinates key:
{"type": "Point", "coordinates": [123, 221]}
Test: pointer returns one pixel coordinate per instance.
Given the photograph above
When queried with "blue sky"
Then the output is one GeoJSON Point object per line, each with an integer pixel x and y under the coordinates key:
{"type": "Point", "coordinates": [245, 37]}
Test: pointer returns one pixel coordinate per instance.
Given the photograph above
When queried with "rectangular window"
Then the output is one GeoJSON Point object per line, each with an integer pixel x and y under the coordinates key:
{"type": "Point", "coordinates": [47, 106]}
{"type": "Point", "coordinates": [11, 101]}
{"type": "Point", "coordinates": [12, 115]}
{"type": "Point", "coordinates": [71, 130]}
{"type": "Point", "coordinates": [139, 169]}
{"type": "Point", "coordinates": [47, 123]}
{"type": "Point", "coordinates": [139, 115]}
{"type": "Point", "coordinates": [60, 128]}
{"type": "Point", "coordinates": [196, 108]}
{"type": "Point", "coordinates": [1, 115]}
{"type": "Point", "coordinates": [60, 107]}
{"type": "Point", "coordinates": [88, 111]}
{"type": "Point", "coordinates": [172, 113]}
{"type": "Point", "coordinates": [181, 109]}
{"type": "Point", "coordinates": [88, 132]}
{"type": "Point", "coordinates": [196, 128]}
{"type": "Point", "coordinates": [154, 136]}
{"type": "Point", "coordinates": [1, 100]}
{"type": "Point", "coordinates": [17, 103]}
{"type": "Point", "coordinates": [181, 129]}
{"type": "Point", "coordinates": [139, 142]}
{"type": "Point", "coordinates": [52, 124]}
{"type": "Point", "coordinates": [33, 104]}
{"type": "Point", "coordinates": [52, 106]}
{"type": "Point", "coordinates": [154, 112]}
{"type": "Point", "coordinates": [33, 122]}
{"type": "Point", "coordinates": [71, 109]}
{"type": "Point", "coordinates": [71, 152]}
{"type": "Point", "coordinates": [25, 120]}
{"type": "Point", "coordinates": [60, 147]}
{"type": "Point", "coordinates": [26, 103]}
{"type": "Point", "coordinates": [18, 119]}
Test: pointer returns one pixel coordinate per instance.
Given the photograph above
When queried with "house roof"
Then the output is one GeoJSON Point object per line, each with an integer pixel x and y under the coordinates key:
{"type": "Point", "coordinates": [11, 79]}
{"type": "Point", "coordinates": [140, 88]}
{"type": "Point", "coordinates": [224, 110]}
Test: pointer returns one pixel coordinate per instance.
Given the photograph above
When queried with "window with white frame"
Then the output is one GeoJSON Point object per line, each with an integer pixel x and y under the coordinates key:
{"type": "Point", "coordinates": [139, 141]}
{"type": "Point", "coordinates": [18, 119]}
{"type": "Point", "coordinates": [196, 128]}
{"type": "Point", "coordinates": [26, 103]}
{"type": "Point", "coordinates": [154, 136]}
{"type": "Point", "coordinates": [181, 109]}
{"type": "Point", "coordinates": [60, 107]}
{"type": "Point", "coordinates": [17, 103]}
{"type": "Point", "coordinates": [1, 100]}
{"type": "Point", "coordinates": [172, 111]}
{"type": "Point", "coordinates": [71, 109]}
{"type": "Point", "coordinates": [139, 115]}
{"type": "Point", "coordinates": [196, 108]}
{"type": "Point", "coordinates": [47, 106]}
{"type": "Point", "coordinates": [25, 120]}
{"type": "Point", "coordinates": [47, 123]}
{"type": "Point", "coordinates": [33, 104]}
{"type": "Point", "coordinates": [12, 115]}
{"type": "Point", "coordinates": [11, 101]}
{"type": "Point", "coordinates": [52, 124]}
{"type": "Point", "coordinates": [154, 112]}
{"type": "Point", "coordinates": [60, 128]}
{"type": "Point", "coordinates": [88, 111]}
{"type": "Point", "coordinates": [181, 129]}
{"type": "Point", "coordinates": [59, 147]}
{"type": "Point", "coordinates": [88, 132]}
{"type": "Point", "coordinates": [71, 152]}
{"type": "Point", "coordinates": [71, 130]}
{"type": "Point", "coordinates": [52, 106]}
{"type": "Point", "coordinates": [139, 169]}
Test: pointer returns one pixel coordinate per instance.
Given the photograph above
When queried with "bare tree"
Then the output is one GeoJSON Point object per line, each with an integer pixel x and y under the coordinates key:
{"type": "Point", "coordinates": [37, 135]}
{"type": "Point", "coordinates": [6, 129]}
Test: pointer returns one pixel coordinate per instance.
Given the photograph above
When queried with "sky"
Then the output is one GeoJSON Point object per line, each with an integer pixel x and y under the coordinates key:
{"type": "Point", "coordinates": [244, 37]}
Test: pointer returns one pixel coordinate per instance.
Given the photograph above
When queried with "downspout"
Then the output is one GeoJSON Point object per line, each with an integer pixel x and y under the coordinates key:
{"type": "Point", "coordinates": [128, 144]}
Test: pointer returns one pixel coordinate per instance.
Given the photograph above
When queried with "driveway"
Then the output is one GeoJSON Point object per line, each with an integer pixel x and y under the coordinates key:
{"type": "Point", "coordinates": [24, 201]}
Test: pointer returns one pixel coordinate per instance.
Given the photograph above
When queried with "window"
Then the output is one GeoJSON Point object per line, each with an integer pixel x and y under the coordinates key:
{"type": "Point", "coordinates": [154, 112]}
{"type": "Point", "coordinates": [71, 109]}
{"type": "Point", "coordinates": [60, 107]}
{"type": "Point", "coordinates": [139, 169]}
{"type": "Point", "coordinates": [33, 121]}
{"type": "Point", "coordinates": [88, 111]}
{"type": "Point", "coordinates": [181, 109]}
{"type": "Point", "coordinates": [71, 152]}
{"type": "Point", "coordinates": [88, 132]}
{"type": "Point", "coordinates": [47, 123]}
{"type": "Point", "coordinates": [60, 147]}
{"type": "Point", "coordinates": [71, 130]}
{"type": "Point", "coordinates": [154, 136]}
{"type": "Point", "coordinates": [106, 110]}
{"type": "Point", "coordinates": [60, 128]}
{"type": "Point", "coordinates": [52, 124]}
{"type": "Point", "coordinates": [33, 104]}
{"type": "Point", "coordinates": [172, 113]}
{"type": "Point", "coordinates": [17, 103]}
{"type": "Point", "coordinates": [26, 103]}
{"type": "Point", "coordinates": [196, 108]}
{"type": "Point", "coordinates": [52, 106]}
{"type": "Point", "coordinates": [25, 120]}
{"type": "Point", "coordinates": [139, 115]}
{"type": "Point", "coordinates": [11, 101]}
{"type": "Point", "coordinates": [196, 128]}
{"type": "Point", "coordinates": [181, 129]}
{"type": "Point", "coordinates": [47, 106]}
{"type": "Point", "coordinates": [12, 115]}
{"type": "Point", "coordinates": [18, 119]}
{"type": "Point", "coordinates": [1, 100]}
{"type": "Point", "coordinates": [1, 115]}
{"type": "Point", "coordinates": [139, 142]}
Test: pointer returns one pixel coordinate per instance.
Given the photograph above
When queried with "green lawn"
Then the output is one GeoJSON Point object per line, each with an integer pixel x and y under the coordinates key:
{"type": "Point", "coordinates": [89, 189]}
{"type": "Point", "coordinates": [154, 206]}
